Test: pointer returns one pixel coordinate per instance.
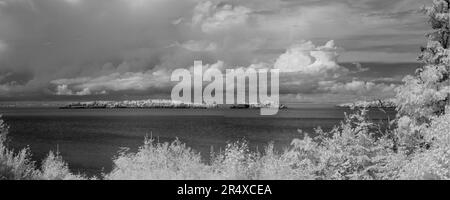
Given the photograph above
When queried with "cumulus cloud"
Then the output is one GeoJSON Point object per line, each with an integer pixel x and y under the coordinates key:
{"type": "Point", "coordinates": [308, 59]}
{"type": "Point", "coordinates": [304, 65]}
{"type": "Point", "coordinates": [313, 71]}
{"type": "Point", "coordinates": [63, 90]}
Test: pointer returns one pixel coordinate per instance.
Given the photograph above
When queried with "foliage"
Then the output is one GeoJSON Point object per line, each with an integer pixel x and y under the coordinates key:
{"type": "Point", "coordinates": [159, 161]}
{"type": "Point", "coordinates": [417, 146]}
{"type": "Point", "coordinates": [54, 168]}
{"type": "Point", "coordinates": [14, 166]}
{"type": "Point", "coordinates": [423, 100]}
{"type": "Point", "coordinates": [356, 149]}
{"type": "Point", "coordinates": [434, 162]}
{"type": "Point", "coordinates": [427, 93]}
{"type": "Point", "coordinates": [424, 97]}
{"type": "Point", "coordinates": [351, 151]}
{"type": "Point", "coordinates": [18, 166]}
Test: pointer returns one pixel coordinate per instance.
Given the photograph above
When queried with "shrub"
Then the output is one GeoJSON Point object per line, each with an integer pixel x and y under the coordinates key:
{"type": "Point", "coordinates": [356, 149]}
{"type": "Point", "coordinates": [284, 166]}
{"type": "Point", "coordinates": [14, 166]}
{"type": "Point", "coordinates": [434, 162]}
{"type": "Point", "coordinates": [18, 166]}
{"type": "Point", "coordinates": [54, 168]}
{"type": "Point", "coordinates": [236, 162]}
{"type": "Point", "coordinates": [418, 148]}
{"type": "Point", "coordinates": [160, 161]}
{"type": "Point", "coordinates": [350, 151]}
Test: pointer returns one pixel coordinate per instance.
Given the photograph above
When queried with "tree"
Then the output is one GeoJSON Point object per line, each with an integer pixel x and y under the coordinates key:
{"type": "Point", "coordinates": [428, 92]}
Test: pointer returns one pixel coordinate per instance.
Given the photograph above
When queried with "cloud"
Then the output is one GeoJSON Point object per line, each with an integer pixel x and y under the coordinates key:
{"type": "Point", "coordinates": [213, 18]}
{"type": "Point", "coordinates": [202, 45]}
{"type": "Point", "coordinates": [358, 90]}
{"type": "Point", "coordinates": [85, 91]}
{"type": "Point", "coordinates": [311, 71]}
{"type": "Point", "coordinates": [73, 1]}
{"type": "Point", "coordinates": [356, 87]}
{"type": "Point", "coordinates": [84, 37]}
{"type": "Point", "coordinates": [342, 91]}
{"type": "Point", "coordinates": [317, 72]}
{"type": "Point", "coordinates": [360, 68]}
{"type": "Point", "coordinates": [304, 65]}
{"type": "Point", "coordinates": [157, 79]}
{"type": "Point", "coordinates": [4, 89]}
{"type": "Point", "coordinates": [306, 58]}
{"type": "Point", "coordinates": [95, 46]}
{"type": "Point", "coordinates": [28, 3]}
{"type": "Point", "coordinates": [63, 90]}
{"type": "Point", "coordinates": [138, 81]}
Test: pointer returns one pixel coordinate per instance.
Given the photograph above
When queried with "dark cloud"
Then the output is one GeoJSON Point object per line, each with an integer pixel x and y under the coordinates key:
{"type": "Point", "coordinates": [103, 42]}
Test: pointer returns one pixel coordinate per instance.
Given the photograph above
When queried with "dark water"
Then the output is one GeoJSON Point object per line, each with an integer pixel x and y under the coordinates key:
{"type": "Point", "coordinates": [89, 139]}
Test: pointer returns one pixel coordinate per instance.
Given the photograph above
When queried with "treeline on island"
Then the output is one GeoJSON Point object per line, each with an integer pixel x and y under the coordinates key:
{"type": "Point", "coordinates": [136, 104]}
{"type": "Point", "coordinates": [159, 103]}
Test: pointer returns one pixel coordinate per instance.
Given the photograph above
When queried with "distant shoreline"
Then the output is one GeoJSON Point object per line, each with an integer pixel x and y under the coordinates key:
{"type": "Point", "coordinates": [387, 104]}
{"type": "Point", "coordinates": [159, 104]}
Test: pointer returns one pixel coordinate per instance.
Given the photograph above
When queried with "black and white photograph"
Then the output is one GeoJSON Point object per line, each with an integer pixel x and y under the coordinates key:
{"type": "Point", "coordinates": [223, 90]}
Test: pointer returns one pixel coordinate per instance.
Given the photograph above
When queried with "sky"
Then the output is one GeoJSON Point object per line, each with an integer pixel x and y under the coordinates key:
{"type": "Point", "coordinates": [327, 50]}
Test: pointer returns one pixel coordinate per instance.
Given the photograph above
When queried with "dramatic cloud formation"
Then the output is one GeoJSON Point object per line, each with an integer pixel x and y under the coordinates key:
{"type": "Point", "coordinates": [305, 69]}
{"type": "Point", "coordinates": [109, 48]}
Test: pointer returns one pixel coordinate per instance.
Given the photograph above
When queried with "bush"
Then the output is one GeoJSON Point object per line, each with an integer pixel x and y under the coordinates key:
{"type": "Point", "coordinates": [18, 166]}
{"type": "Point", "coordinates": [433, 162]}
{"type": "Point", "coordinates": [14, 166]}
{"type": "Point", "coordinates": [54, 168]}
{"type": "Point", "coordinates": [356, 149]}
{"type": "Point", "coordinates": [160, 161]}
{"type": "Point", "coordinates": [350, 151]}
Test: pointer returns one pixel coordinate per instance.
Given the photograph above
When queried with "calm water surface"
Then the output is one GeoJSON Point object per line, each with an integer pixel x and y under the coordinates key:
{"type": "Point", "coordinates": [89, 139]}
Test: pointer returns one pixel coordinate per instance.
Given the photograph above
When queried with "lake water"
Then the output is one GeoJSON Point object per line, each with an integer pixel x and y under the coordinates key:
{"type": "Point", "coordinates": [89, 139]}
